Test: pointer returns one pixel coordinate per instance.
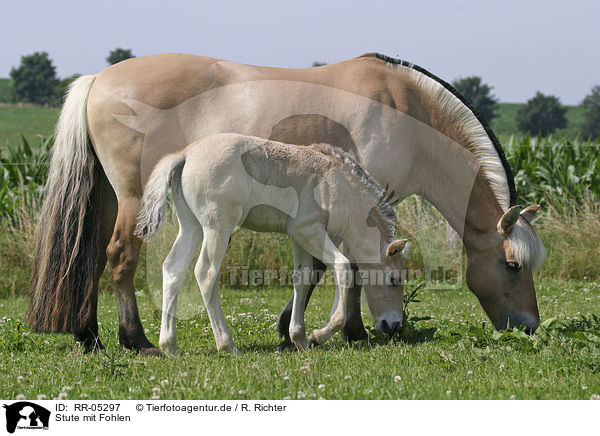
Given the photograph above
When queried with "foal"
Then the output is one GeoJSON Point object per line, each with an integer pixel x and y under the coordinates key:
{"type": "Point", "coordinates": [320, 196]}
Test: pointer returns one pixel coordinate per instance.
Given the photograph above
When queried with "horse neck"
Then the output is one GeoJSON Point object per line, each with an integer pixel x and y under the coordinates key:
{"type": "Point", "coordinates": [447, 175]}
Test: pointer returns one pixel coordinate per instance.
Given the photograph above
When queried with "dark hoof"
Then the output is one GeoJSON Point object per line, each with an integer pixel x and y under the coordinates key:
{"type": "Point", "coordinates": [286, 345]}
{"type": "Point", "coordinates": [91, 344]}
{"type": "Point", "coordinates": [150, 351]}
{"type": "Point", "coordinates": [390, 330]}
{"type": "Point", "coordinates": [353, 335]}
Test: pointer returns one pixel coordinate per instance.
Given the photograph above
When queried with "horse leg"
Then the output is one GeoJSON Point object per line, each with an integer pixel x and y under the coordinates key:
{"type": "Point", "coordinates": [87, 334]}
{"type": "Point", "coordinates": [283, 325]}
{"type": "Point", "coordinates": [354, 329]}
{"type": "Point", "coordinates": [123, 253]}
{"type": "Point", "coordinates": [207, 269]}
{"type": "Point", "coordinates": [174, 270]}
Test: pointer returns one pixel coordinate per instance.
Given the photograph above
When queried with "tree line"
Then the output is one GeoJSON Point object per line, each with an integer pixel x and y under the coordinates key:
{"type": "Point", "coordinates": [35, 81]}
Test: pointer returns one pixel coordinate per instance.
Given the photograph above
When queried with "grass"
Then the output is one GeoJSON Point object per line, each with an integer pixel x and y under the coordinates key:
{"type": "Point", "coordinates": [463, 360]}
{"type": "Point", "coordinates": [29, 121]}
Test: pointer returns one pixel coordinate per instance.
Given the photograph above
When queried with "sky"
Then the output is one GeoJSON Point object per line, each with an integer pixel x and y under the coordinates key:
{"type": "Point", "coordinates": [517, 47]}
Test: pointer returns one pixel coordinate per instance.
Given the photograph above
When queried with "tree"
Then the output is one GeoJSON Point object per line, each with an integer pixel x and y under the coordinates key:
{"type": "Point", "coordinates": [62, 87]}
{"type": "Point", "coordinates": [35, 79]}
{"type": "Point", "coordinates": [591, 117]}
{"type": "Point", "coordinates": [118, 55]}
{"type": "Point", "coordinates": [318, 64]}
{"type": "Point", "coordinates": [542, 115]}
{"type": "Point", "coordinates": [479, 94]}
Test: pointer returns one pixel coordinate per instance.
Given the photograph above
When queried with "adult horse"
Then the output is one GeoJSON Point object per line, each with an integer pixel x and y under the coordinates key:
{"type": "Point", "coordinates": [411, 130]}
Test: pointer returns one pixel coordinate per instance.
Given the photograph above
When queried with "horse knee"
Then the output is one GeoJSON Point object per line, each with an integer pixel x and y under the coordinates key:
{"type": "Point", "coordinates": [123, 259]}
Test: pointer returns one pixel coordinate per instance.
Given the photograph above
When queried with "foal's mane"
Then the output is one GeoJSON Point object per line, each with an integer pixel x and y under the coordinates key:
{"type": "Point", "coordinates": [385, 217]}
{"type": "Point", "coordinates": [476, 132]}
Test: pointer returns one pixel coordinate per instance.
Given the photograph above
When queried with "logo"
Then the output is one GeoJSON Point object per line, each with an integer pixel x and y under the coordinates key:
{"type": "Point", "coordinates": [26, 415]}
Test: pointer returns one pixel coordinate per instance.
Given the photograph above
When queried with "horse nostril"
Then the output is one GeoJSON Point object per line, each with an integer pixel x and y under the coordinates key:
{"type": "Point", "coordinates": [385, 327]}
{"type": "Point", "coordinates": [395, 328]}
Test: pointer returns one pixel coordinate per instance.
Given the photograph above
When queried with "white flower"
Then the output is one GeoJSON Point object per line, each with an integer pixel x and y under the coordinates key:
{"type": "Point", "coordinates": [62, 396]}
{"type": "Point", "coordinates": [20, 397]}
{"type": "Point", "coordinates": [585, 388]}
{"type": "Point", "coordinates": [397, 379]}
{"type": "Point", "coordinates": [469, 372]}
{"type": "Point", "coordinates": [287, 377]}
{"type": "Point", "coordinates": [321, 386]}
{"type": "Point", "coordinates": [513, 397]}
{"type": "Point", "coordinates": [502, 367]}
{"type": "Point", "coordinates": [152, 378]}
{"type": "Point", "coordinates": [595, 397]}
{"type": "Point", "coordinates": [41, 396]}
{"type": "Point", "coordinates": [448, 392]}
{"type": "Point", "coordinates": [348, 377]}
{"type": "Point", "coordinates": [66, 388]}
{"type": "Point", "coordinates": [155, 397]}
{"type": "Point", "coordinates": [301, 395]}
{"type": "Point", "coordinates": [164, 382]}
{"type": "Point", "coordinates": [19, 379]}
{"type": "Point", "coordinates": [241, 392]}
{"type": "Point", "coordinates": [287, 398]}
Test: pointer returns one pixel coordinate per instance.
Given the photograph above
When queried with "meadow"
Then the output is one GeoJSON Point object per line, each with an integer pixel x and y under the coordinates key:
{"type": "Point", "coordinates": [447, 348]}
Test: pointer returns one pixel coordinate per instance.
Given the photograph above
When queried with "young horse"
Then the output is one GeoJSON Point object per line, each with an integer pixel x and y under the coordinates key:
{"type": "Point", "coordinates": [411, 130]}
{"type": "Point", "coordinates": [319, 196]}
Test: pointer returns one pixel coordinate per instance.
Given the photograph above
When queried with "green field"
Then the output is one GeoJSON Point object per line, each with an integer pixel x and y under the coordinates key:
{"type": "Point", "coordinates": [29, 121]}
{"type": "Point", "coordinates": [461, 361]}
{"type": "Point", "coordinates": [448, 349]}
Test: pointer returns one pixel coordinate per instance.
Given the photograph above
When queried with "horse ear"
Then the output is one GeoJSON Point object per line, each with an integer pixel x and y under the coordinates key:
{"type": "Point", "coordinates": [529, 212]}
{"type": "Point", "coordinates": [395, 247]}
{"type": "Point", "coordinates": [508, 220]}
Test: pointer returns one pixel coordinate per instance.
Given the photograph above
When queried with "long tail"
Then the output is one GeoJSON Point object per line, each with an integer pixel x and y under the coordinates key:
{"type": "Point", "coordinates": [63, 274]}
{"type": "Point", "coordinates": [152, 213]}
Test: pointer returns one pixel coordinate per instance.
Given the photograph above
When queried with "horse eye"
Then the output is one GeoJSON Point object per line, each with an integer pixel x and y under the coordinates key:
{"type": "Point", "coordinates": [513, 266]}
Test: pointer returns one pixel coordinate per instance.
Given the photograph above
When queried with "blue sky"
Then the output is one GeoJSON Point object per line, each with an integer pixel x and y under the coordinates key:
{"type": "Point", "coordinates": [518, 47]}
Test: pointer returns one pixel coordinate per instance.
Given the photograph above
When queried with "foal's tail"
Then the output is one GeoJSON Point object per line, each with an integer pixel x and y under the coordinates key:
{"type": "Point", "coordinates": [62, 284]}
{"type": "Point", "coordinates": [152, 213]}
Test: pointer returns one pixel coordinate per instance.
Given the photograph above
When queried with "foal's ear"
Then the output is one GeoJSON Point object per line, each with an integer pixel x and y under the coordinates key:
{"type": "Point", "coordinates": [395, 247]}
{"type": "Point", "coordinates": [508, 220]}
{"type": "Point", "coordinates": [529, 212]}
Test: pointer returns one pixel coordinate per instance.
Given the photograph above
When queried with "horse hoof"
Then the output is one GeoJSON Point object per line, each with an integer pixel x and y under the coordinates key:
{"type": "Point", "coordinates": [353, 335]}
{"type": "Point", "coordinates": [150, 351]}
{"type": "Point", "coordinates": [286, 345]}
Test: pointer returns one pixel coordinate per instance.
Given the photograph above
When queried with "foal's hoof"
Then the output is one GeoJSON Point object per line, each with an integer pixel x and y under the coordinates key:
{"type": "Point", "coordinates": [150, 351]}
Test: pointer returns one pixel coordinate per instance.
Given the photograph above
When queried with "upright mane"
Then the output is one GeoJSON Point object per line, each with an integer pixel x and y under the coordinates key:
{"type": "Point", "coordinates": [477, 136]}
{"type": "Point", "coordinates": [475, 132]}
{"type": "Point", "coordinates": [385, 217]}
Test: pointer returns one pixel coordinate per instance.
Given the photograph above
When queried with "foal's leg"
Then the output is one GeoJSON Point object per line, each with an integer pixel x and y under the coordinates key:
{"type": "Point", "coordinates": [297, 330]}
{"type": "Point", "coordinates": [353, 330]}
{"type": "Point", "coordinates": [123, 254]}
{"type": "Point", "coordinates": [174, 270]}
{"type": "Point", "coordinates": [283, 325]}
{"type": "Point", "coordinates": [315, 240]}
{"type": "Point", "coordinates": [214, 246]}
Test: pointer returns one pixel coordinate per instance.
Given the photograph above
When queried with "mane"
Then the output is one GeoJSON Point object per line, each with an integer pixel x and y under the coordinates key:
{"type": "Point", "coordinates": [480, 140]}
{"type": "Point", "coordinates": [385, 217]}
{"type": "Point", "coordinates": [476, 132]}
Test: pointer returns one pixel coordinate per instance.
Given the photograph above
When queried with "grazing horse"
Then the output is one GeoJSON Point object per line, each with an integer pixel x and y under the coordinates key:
{"type": "Point", "coordinates": [319, 196]}
{"type": "Point", "coordinates": [410, 130]}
